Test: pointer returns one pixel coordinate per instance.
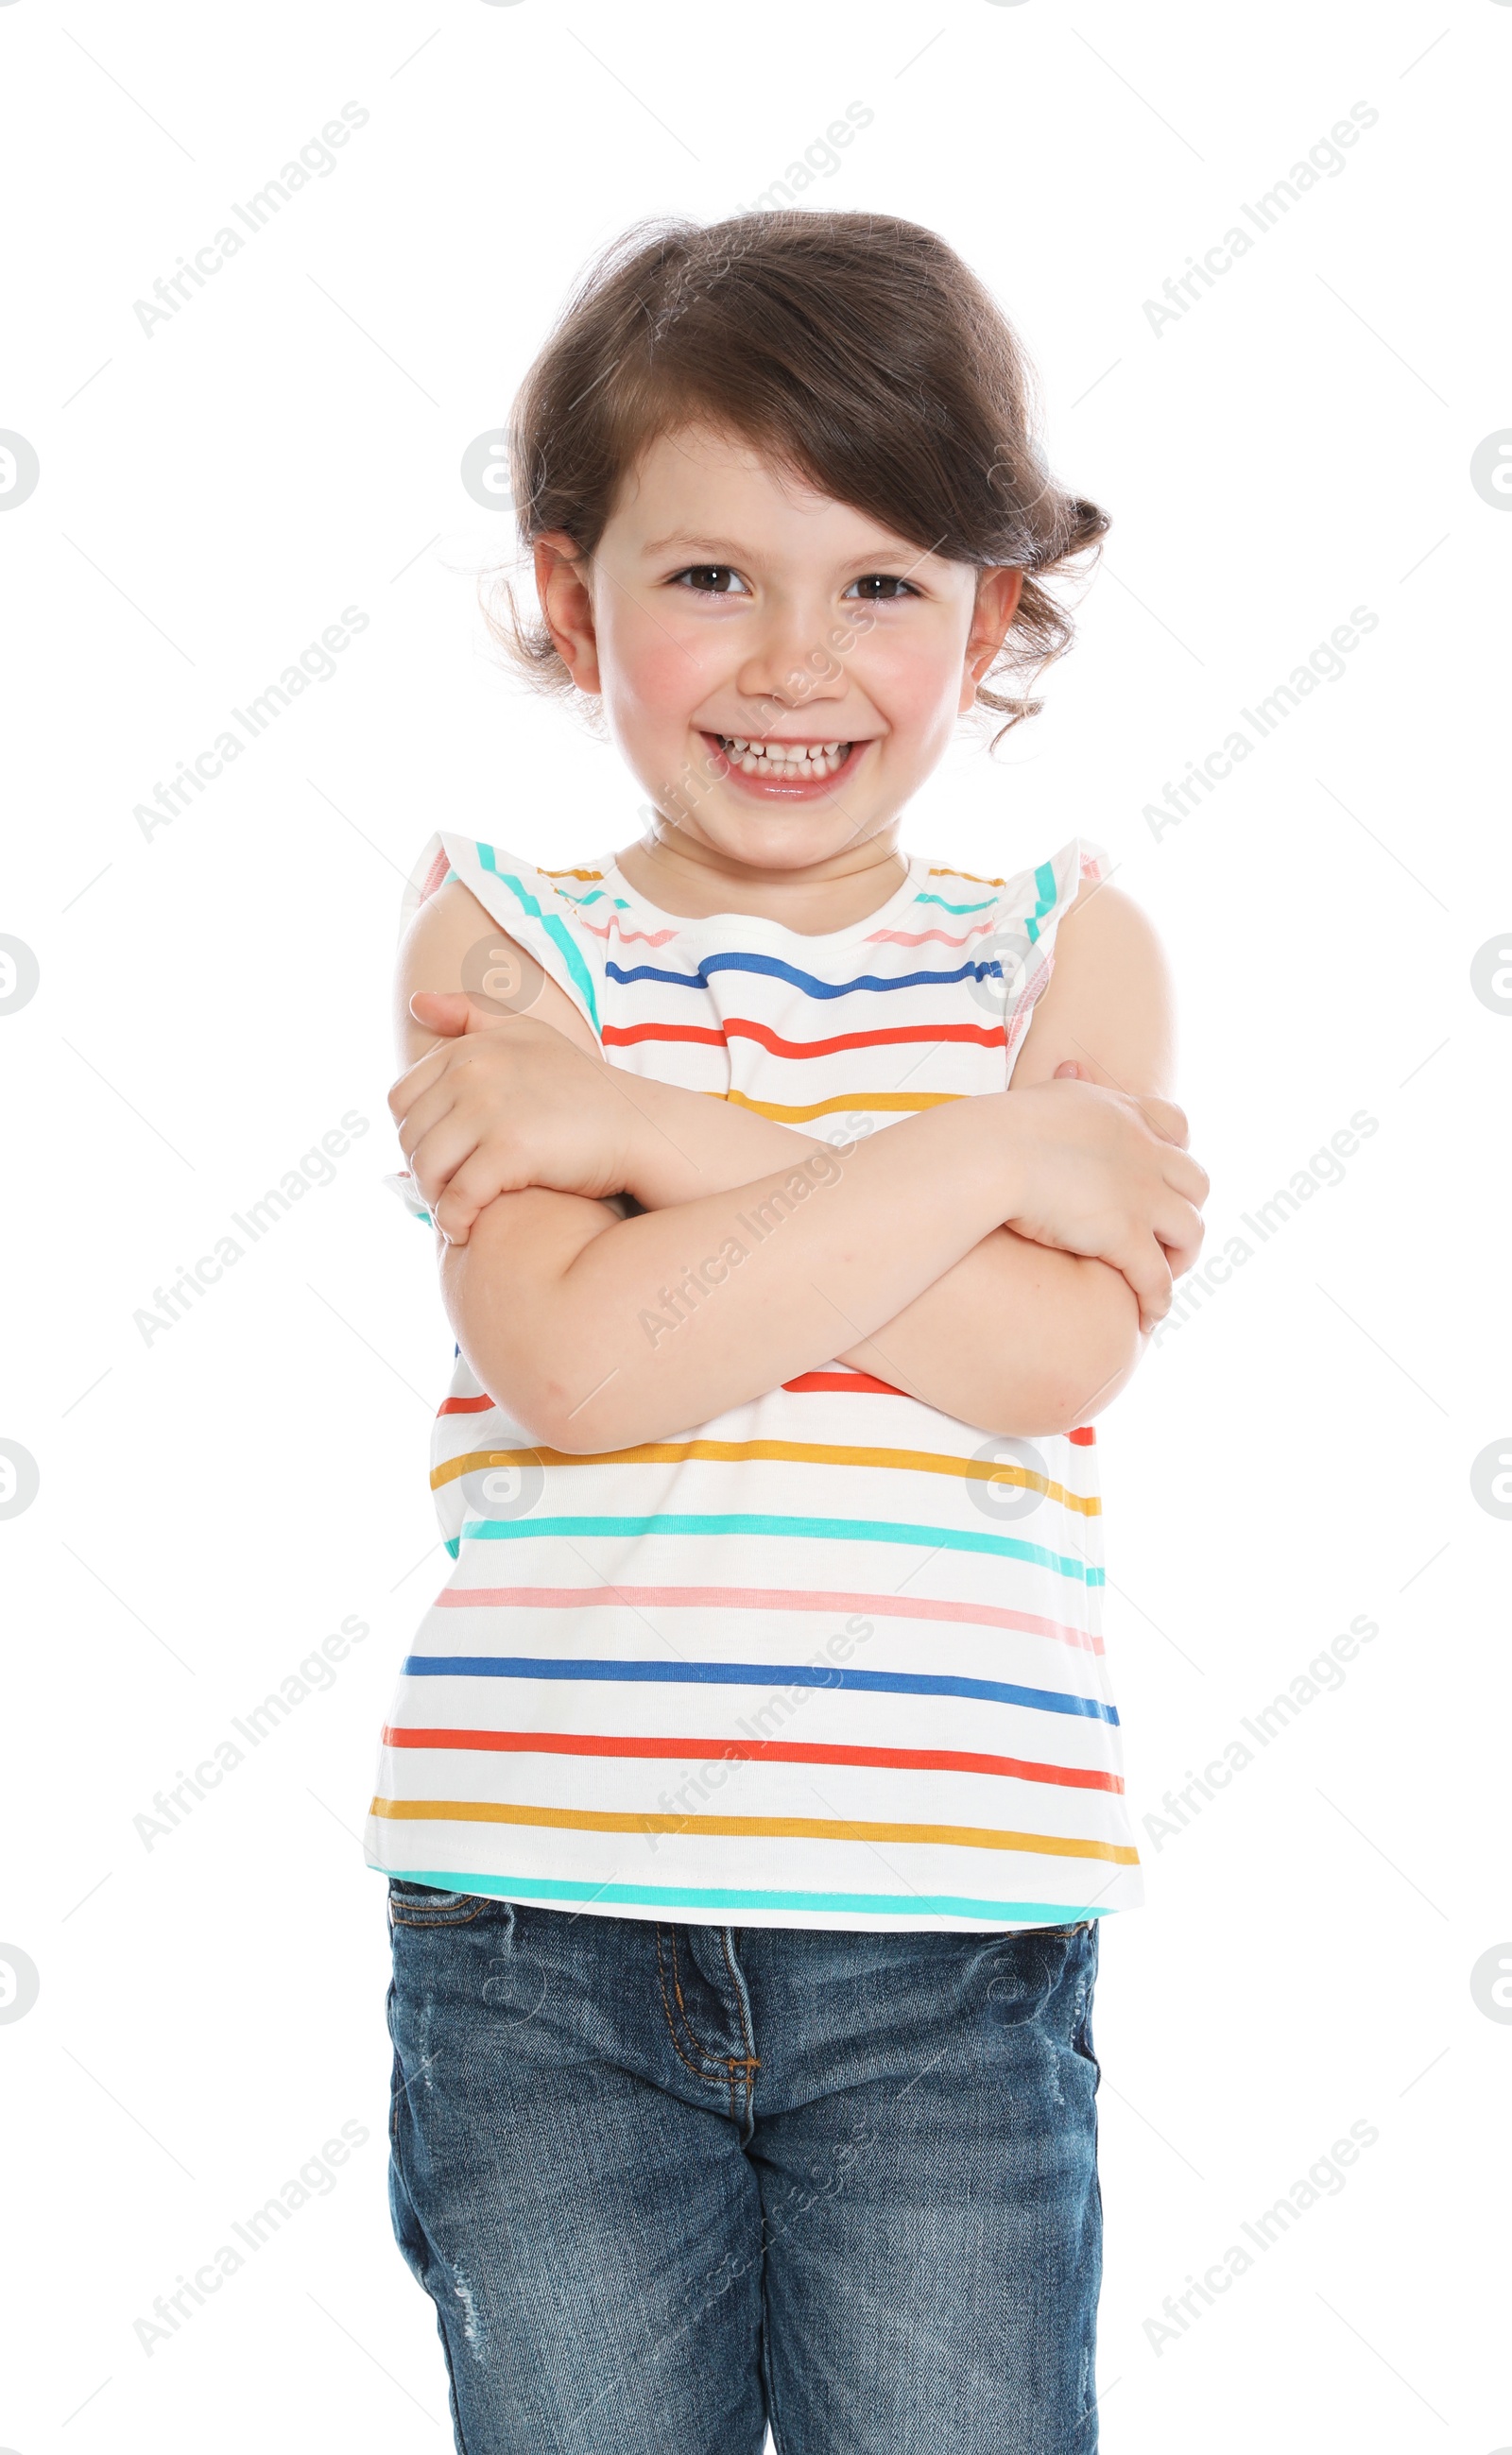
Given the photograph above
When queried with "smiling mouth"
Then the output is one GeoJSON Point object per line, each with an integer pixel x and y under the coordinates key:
{"type": "Point", "coordinates": [785, 762]}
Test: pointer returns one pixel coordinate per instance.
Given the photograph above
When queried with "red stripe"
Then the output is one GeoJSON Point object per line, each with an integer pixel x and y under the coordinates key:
{"type": "Point", "coordinates": [981, 1035]}
{"type": "Point", "coordinates": [1084, 1437]}
{"type": "Point", "coordinates": [692, 1751]}
{"type": "Point", "coordinates": [844, 1381]}
{"type": "Point", "coordinates": [618, 1035]}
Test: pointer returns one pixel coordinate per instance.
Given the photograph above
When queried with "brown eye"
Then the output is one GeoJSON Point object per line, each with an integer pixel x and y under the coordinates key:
{"type": "Point", "coordinates": [709, 578]}
{"type": "Point", "coordinates": [880, 588]}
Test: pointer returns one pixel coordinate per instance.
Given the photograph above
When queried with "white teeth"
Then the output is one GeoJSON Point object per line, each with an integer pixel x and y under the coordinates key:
{"type": "Point", "coordinates": [784, 761]}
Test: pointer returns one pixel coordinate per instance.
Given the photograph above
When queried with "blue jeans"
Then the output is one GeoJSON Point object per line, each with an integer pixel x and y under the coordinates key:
{"type": "Point", "coordinates": [666, 2183]}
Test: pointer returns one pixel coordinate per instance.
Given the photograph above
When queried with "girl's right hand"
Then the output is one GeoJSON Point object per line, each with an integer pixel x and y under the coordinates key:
{"type": "Point", "coordinates": [1106, 1175]}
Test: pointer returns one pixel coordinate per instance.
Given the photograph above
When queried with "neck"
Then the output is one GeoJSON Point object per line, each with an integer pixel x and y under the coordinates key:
{"type": "Point", "coordinates": [692, 879]}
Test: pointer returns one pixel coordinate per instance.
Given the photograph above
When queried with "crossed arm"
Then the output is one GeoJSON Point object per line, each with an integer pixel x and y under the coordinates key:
{"type": "Point", "coordinates": [896, 1255]}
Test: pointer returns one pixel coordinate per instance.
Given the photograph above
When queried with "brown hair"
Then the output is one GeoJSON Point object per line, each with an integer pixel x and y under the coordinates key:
{"type": "Point", "coordinates": [856, 349]}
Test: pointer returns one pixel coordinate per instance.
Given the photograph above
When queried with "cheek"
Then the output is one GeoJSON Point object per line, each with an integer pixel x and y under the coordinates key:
{"type": "Point", "coordinates": [913, 681]}
{"type": "Point", "coordinates": [652, 675]}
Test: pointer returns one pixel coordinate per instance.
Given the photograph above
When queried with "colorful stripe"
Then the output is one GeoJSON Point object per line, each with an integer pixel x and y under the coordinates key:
{"type": "Point", "coordinates": [915, 1907]}
{"type": "Point", "coordinates": [726, 1750]}
{"type": "Point", "coordinates": [772, 1827]}
{"type": "Point", "coordinates": [762, 1598]}
{"type": "Point", "coordinates": [557, 931]}
{"type": "Point", "coordinates": [840, 1034]}
{"type": "Point", "coordinates": [967, 1470]}
{"type": "Point", "coordinates": [902, 1103]}
{"type": "Point", "coordinates": [975, 1035]}
{"type": "Point", "coordinates": [683, 1673]}
{"type": "Point", "coordinates": [773, 967]}
{"type": "Point", "coordinates": [807, 1530]}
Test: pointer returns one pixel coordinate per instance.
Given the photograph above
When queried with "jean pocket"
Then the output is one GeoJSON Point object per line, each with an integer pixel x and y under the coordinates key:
{"type": "Point", "coordinates": [427, 1905]}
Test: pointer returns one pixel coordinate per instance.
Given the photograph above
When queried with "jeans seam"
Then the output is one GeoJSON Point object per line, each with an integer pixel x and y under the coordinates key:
{"type": "Point", "coordinates": [672, 2025]}
{"type": "Point", "coordinates": [438, 1917]}
{"type": "Point", "coordinates": [749, 2062]}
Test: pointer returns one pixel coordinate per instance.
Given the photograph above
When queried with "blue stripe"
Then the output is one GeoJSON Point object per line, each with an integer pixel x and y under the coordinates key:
{"type": "Point", "coordinates": [911, 1905]}
{"type": "Point", "coordinates": [775, 969]}
{"type": "Point", "coordinates": [957, 907]}
{"type": "Point", "coordinates": [555, 927]}
{"type": "Point", "coordinates": [756, 1675]}
{"type": "Point", "coordinates": [1045, 881]}
{"type": "Point", "coordinates": [844, 1530]}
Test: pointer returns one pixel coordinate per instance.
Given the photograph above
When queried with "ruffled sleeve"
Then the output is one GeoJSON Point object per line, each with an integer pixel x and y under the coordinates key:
{"type": "Point", "coordinates": [1030, 910]}
{"type": "Point", "coordinates": [538, 909]}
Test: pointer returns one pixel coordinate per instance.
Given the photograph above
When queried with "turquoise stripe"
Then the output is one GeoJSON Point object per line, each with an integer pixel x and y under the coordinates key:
{"type": "Point", "coordinates": [957, 907]}
{"type": "Point", "coordinates": [556, 928]}
{"type": "Point", "coordinates": [844, 1530]}
{"type": "Point", "coordinates": [1045, 881]}
{"type": "Point", "coordinates": [698, 1896]}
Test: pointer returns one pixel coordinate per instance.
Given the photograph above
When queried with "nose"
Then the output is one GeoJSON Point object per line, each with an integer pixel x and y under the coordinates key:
{"type": "Point", "coordinates": [792, 663]}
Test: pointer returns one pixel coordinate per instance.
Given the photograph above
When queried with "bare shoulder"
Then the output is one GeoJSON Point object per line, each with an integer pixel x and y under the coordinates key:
{"type": "Point", "coordinates": [452, 931]}
{"type": "Point", "coordinates": [1109, 1002]}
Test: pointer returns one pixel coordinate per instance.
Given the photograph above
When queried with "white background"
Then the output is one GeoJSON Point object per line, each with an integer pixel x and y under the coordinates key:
{"type": "Point", "coordinates": [214, 997]}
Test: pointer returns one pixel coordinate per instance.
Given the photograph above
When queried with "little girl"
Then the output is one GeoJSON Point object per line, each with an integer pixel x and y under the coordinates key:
{"type": "Point", "coordinates": [752, 1793]}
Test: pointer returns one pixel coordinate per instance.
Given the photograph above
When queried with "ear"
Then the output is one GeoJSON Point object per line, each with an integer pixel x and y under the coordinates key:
{"type": "Point", "coordinates": [997, 594]}
{"type": "Point", "coordinates": [567, 606]}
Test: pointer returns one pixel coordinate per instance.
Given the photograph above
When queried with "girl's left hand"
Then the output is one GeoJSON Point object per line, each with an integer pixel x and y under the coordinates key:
{"type": "Point", "coordinates": [503, 1103]}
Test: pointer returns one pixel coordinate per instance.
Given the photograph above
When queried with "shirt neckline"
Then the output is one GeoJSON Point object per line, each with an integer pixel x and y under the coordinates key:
{"type": "Point", "coordinates": [907, 890]}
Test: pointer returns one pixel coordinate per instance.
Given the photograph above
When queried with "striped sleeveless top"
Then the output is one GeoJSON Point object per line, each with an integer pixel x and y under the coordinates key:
{"type": "Point", "coordinates": [833, 1659]}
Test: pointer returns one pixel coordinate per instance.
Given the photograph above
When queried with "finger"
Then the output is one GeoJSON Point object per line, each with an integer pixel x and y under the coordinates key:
{"type": "Point", "coordinates": [1149, 1274]}
{"type": "Point", "coordinates": [425, 1070]}
{"type": "Point", "coordinates": [438, 1155]}
{"type": "Point", "coordinates": [1164, 1118]}
{"type": "Point", "coordinates": [1069, 1072]}
{"type": "Point", "coordinates": [479, 1181]}
{"type": "Point", "coordinates": [443, 1011]}
{"type": "Point", "coordinates": [1187, 1176]}
{"type": "Point", "coordinates": [430, 1106]}
{"type": "Point", "coordinates": [1181, 1229]}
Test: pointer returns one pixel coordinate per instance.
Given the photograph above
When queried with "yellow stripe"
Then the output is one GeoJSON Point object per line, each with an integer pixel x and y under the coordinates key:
{"type": "Point", "coordinates": [572, 873]}
{"type": "Point", "coordinates": [908, 1100]}
{"type": "Point", "coordinates": [795, 1452]}
{"type": "Point", "coordinates": [781, 1828]}
{"type": "Point", "coordinates": [970, 877]}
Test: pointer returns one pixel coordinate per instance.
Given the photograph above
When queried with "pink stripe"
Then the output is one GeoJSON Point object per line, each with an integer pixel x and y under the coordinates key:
{"type": "Point", "coordinates": [756, 1598]}
{"type": "Point", "coordinates": [925, 937]}
{"type": "Point", "coordinates": [614, 928]}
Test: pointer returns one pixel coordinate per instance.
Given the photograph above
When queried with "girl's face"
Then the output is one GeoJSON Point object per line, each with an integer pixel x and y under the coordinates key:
{"type": "Point", "coordinates": [780, 671]}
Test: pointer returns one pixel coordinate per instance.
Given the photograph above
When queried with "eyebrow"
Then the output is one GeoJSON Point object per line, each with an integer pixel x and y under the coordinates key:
{"type": "Point", "coordinates": [684, 541]}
